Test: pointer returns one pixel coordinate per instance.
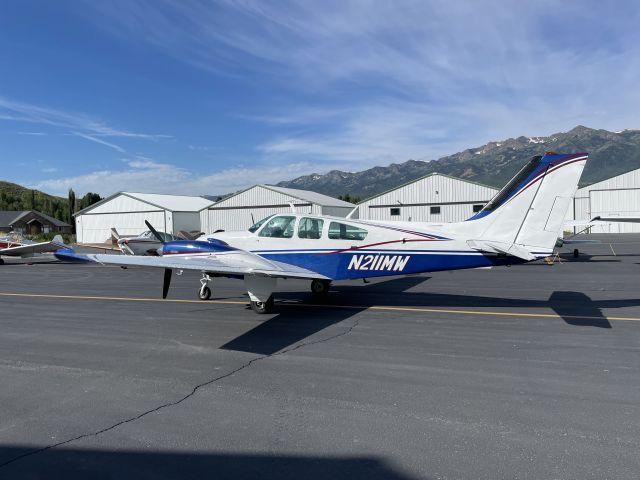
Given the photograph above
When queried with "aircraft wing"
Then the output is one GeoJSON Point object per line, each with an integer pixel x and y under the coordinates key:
{"type": "Point", "coordinates": [240, 263]}
{"type": "Point", "coordinates": [55, 244]}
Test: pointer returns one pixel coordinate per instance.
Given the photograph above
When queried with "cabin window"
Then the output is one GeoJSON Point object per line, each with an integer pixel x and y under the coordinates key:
{"type": "Point", "coordinates": [256, 226]}
{"type": "Point", "coordinates": [434, 210]}
{"type": "Point", "coordinates": [395, 211]}
{"type": "Point", "coordinates": [342, 231]}
{"type": "Point", "coordinates": [310, 228]}
{"type": "Point", "coordinates": [279, 227]}
{"type": "Point", "coordinates": [477, 208]}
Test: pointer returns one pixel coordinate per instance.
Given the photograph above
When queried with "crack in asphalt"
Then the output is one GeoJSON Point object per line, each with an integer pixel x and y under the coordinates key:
{"type": "Point", "coordinates": [182, 399]}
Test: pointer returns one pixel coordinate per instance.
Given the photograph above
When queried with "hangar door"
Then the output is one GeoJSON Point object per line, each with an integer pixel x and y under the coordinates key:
{"type": "Point", "coordinates": [623, 202]}
{"type": "Point", "coordinates": [96, 228]}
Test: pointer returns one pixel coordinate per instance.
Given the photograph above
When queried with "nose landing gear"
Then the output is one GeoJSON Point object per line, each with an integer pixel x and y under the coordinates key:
{"type": "Point", "coordinates": [205, 292]}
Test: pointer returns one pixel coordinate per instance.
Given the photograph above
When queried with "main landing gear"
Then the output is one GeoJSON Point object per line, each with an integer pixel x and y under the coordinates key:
{"type": "Point", "coordinates": [262, 307]}
{"type": "Point", "coordinates": [205, 292]}
{"type": "Point", "coordinates": [320, 288]}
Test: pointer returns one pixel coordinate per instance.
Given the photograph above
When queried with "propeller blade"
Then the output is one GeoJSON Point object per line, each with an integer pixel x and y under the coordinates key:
{"type": "Point", "coordinates": [154, 231]}
{"type": "Point", "coordinates": [167, 282]}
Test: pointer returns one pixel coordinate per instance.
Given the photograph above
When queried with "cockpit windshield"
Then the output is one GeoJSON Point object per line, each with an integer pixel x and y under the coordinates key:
{"type": "Point", "coordinates": [256, 226]}
{"type": "Point", "coordinates": [513, 184]}
{"type": "Point", "coordinates": [166, 237]}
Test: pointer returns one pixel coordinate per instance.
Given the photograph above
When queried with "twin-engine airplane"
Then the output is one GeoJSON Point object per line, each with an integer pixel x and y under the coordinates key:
{"type": "Point", "coordinates": [520, 224]}
{"type": "Point", "coordinates": [14, 245]}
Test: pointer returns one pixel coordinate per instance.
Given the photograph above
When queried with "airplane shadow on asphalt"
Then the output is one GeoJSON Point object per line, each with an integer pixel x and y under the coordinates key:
{"type": "Point", "coordinates": [575, 308]}
{"type": "Point", "coordinates": [76, 463]}
{"type": "Point", "coordinates": [296, 321]}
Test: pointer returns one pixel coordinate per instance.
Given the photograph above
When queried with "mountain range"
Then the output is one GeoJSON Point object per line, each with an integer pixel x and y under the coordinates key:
{"type": "Point", "coordinates": [611, 153]}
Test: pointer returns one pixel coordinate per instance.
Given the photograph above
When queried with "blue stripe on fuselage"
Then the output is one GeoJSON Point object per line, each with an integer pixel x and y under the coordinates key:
{"type": "Point", "coordinates": [343, 266]}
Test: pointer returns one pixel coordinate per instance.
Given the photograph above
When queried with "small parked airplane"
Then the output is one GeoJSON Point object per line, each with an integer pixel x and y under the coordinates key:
{"type": "Point", "coordinates": [15, 245]}
{"type": "Point", "coordinates": [520, 224]}
{"type": "Point", "coordinates": [148, 242]}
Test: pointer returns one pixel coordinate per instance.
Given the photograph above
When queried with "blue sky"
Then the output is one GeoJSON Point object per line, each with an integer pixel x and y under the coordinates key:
{"type": "Point", "coordinates": [200, 97]}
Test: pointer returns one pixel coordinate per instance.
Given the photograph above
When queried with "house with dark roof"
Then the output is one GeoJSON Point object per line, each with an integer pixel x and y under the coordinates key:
{"type": "Point", "coordinates": [31, 222]}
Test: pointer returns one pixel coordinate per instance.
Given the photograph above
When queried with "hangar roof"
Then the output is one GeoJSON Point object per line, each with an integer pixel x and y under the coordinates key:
{"type": "Point", "coordinates": [9, 217]}
{"type": "Point", "coordinates": [309, 196]}
{"type": "Point", "coordinates": [174, 203]}
{"type": "Point", "coordinates": [258, 193]}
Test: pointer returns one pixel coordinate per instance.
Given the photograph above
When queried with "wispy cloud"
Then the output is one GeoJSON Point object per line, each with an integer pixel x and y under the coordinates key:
{"type": "Point", "coordinates": [79, 124]}
{"type": "Point", "coordinates": [379, 81]}
{"type": "Point", "coordinates": [93, 138]}
{"type": "Point", "coordinates": [145, 175]}
{"type": "Point", "coordinates": [37, 134]}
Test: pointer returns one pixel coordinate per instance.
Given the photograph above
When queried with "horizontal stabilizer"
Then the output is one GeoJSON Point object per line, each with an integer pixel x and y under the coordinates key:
{"type": "Point", "coordinates": [489, 246]}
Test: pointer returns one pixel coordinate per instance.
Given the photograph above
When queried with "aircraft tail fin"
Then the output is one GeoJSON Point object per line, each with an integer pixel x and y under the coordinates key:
{"type": "Point", "coordinates": [525, 218]}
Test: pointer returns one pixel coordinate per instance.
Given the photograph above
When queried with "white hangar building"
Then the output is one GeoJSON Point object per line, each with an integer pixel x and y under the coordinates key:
{"type": "Point", "coordinates": [433, 198]}
{"type": "Point", "coordinates": [243, 209]}
{"type": "Point", "coordinates": [127, 211]}
{"type": "Point", "coordinates": [617, 196]}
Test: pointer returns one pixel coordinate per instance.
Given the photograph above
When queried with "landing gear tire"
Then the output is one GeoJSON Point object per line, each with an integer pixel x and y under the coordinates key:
{"type": "Point", "coordinates": [1, 261]}
{"type": "Point", "coordinates": [320, 288]}
{"type": "Point", "coordinates": [576, 253]}
{"type": "Point", "coordinates": [263, 307]}
{"type": "Point", "coordinates": [204, 293]}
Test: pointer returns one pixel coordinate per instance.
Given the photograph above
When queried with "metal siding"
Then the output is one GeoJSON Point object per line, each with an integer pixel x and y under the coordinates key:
{"type": "Point", "coordinates": [240, 218]}
{"type": "Point", "coordinates": [624, 203]}
{"type": "Point", "coordinates": [257, 195]}
{"type": "Point", "coordinates": [626, 180]}
{"type": "Point", "coordinates": [606, 198]}
{"type": "Point", "coordinates": [97, 228]}
{"type": "Point", "coordinates": [122, 203]}
{"type": "Point", "coordinates": [449, 190]}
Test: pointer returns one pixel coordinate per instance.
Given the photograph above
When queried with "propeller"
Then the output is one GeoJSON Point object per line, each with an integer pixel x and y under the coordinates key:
{"type": "Point", "coordinates": [167, 271]}
{"type": "Point", "coordinates": [167, 282]}
{"type": "Point", "coordinates": [155, 232]}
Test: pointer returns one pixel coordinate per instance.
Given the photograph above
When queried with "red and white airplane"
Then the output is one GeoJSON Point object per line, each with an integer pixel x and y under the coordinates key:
{"type": "Point", "coordinates": [15, 245]}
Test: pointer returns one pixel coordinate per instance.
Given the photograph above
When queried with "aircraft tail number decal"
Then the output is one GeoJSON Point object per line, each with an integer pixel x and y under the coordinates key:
{"type": "Point", "coordinates": [389, 263]}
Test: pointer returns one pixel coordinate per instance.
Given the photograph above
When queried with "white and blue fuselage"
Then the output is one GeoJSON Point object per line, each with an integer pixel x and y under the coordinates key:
{"type": "Point", "coordinates": [520, 224]}
{"type": "Point", "coordinates": [383, 250]}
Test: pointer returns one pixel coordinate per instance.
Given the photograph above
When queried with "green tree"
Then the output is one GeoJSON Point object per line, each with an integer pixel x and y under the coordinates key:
{"type": "Point", "coordinates": [72, 206]}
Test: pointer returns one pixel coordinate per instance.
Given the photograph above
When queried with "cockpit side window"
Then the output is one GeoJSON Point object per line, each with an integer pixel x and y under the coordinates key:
{"type": "Point", "coordinates": [256, 226]}
{"type": "Point", "coordinates": [279, 227]}
{"type": "Point", "coordinates": [310, 228]}
{"type": "Point", "coordinates": [343, 231]}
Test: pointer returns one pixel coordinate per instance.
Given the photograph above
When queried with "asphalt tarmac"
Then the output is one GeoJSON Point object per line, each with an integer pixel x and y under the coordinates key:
{"type": "Point", "coordinates": [525, 372]}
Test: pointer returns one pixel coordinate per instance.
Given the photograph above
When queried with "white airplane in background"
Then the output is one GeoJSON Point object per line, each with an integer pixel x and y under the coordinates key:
{"type": "Point", "coordinates": [520, 224]}
{"type": "Point", "coordinates": [15, 245]}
